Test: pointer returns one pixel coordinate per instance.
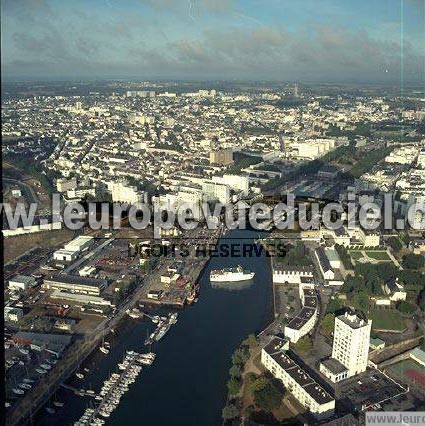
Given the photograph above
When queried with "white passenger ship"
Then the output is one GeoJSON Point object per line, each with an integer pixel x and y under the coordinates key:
{"type": "Point", "coordinates": [231, 275]}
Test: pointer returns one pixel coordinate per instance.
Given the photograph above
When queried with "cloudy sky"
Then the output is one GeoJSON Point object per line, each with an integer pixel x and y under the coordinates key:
{"type": "Point", "coordinates": [303, 40]}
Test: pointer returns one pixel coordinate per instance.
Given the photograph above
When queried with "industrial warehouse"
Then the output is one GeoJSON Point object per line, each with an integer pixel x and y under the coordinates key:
{"type": "Point", "coordinates": [76, 284]}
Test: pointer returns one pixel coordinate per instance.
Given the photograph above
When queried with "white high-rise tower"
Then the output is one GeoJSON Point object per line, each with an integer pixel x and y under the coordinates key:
{"type": "Point", "coordinates": [351, 342]}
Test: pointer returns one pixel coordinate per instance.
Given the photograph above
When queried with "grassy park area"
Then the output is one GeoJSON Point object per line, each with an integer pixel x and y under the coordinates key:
{"type": "Point", "coordinates": [372, 256]}
{"type": "Point", "coordinates": [378, 255]}
{"type": "Point", "coordinates": [387, 320]}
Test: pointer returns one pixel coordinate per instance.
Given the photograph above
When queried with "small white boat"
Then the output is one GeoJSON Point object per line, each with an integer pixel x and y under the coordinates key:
{"type": "Point", "coordinates": [173, 318]}
{"type": "Point", "coordinates": [133, 313]}
{"type": "Point", "coordinates": [25, 386]}
{"type": "Point", "coordinates": [104, 350]}
{"type": "Point", "coordinates": [58, 404]}
{"type": "Point", "coordinates": [50, 410]}
{"type": "Point", "coordinates": [18, 391]}
{"type": "Point", "coordinates": [41, 371]}
{"type": "Point", "coordinates": [80, 375]}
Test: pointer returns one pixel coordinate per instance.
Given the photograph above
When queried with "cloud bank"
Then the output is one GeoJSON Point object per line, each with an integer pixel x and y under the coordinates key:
{"type": "Point", "coordinates": [211, 39]}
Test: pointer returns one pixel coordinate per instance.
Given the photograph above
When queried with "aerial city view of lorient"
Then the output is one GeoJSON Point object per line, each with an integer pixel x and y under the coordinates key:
{"type": "Point", "coordinates": [213, 212]}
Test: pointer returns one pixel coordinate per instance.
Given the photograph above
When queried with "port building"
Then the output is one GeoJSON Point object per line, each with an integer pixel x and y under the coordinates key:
{"type": "Point", "coordinates": [75, 284]}
{"type": "Point", "coordinates": [21, 282]}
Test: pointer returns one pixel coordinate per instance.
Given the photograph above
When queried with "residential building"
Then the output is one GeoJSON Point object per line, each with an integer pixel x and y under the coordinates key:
{"type": "Point", "coordinates": [306, 318]}
{"type": "Point", "coordinates": [237, 183]}
{"type": "Point", "coordinates": [122, 192]}
{"type": "Point", "coordinates": [350, 348]}
{"type": "Point", "coordinates": [307, 391]}
{"type": "Point", "coordinates": [216, 191]}
{"type": "Point", "coordinates": [222, 157]}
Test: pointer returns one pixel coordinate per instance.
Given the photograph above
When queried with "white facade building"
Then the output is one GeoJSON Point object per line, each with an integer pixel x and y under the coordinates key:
{"type": "Point", "coordinates": [235, 182]}
{"type": "Point", "coordinates": [71, 250]}
{"type": "Point", "coordinates": [368, 238]}
{"type": "Point", "coordinates": [307, 391]}
{"type": "Point", "coordinates": [216, 191]}
{"type": "Point", "coordinates": [324, 264]}
{"type": "Point", "coordinates": [124, 193]}
{"type": "Point", "coordinates": [65, 255]}
{"type": "Point", "coordinates": [350, 348]}
{"type": "Point", "coordinates": [351, 342]}
{"type": "Point", "coordinates": [305, 319]}
{"type": "Point", "coordinates": [312, 148]}
{"type": "Point", "coordinates": [291, 274]}
{"type": "Point", "coordinates": [81, 243]}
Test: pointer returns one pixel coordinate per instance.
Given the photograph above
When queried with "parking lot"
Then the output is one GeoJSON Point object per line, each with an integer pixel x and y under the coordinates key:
{"type": "Point", "coordinates": [369, 391]}
{"type": "Point", "coordinates": [287, 299]}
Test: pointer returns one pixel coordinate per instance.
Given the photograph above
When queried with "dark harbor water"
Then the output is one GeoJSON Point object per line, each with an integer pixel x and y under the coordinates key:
{"type": "Point", "coordinates": [186, 385]}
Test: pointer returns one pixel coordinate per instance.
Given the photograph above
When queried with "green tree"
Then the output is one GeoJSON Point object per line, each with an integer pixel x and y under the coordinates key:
{"type": "Point", "coordinates": [406, 307]}
{"type": "Point", "coordinates": [233, 386]}
{"type": "Point", "coordinates": [257, 384]}
{"type": "Point", "coordinates": [235, 370]}
{"type": "Point", "coordinates": [304, 344]}
{"type": "Point", "coordinates": [405, 237]}
{"type": "Point", "coordinates": [344, 256]}
{"type": "Point", "coordinates": [334, 305]}
{"type": "Point", "coordinates": [268, 397]}
{"type": "Point", "coordinates": [328, 323]}
{"type": "Point", "coordinates": [251, 341]}
{"type": "Point", "coordinates": [361, 300]}
{"type": "Point", "coordinates": [229, 412]}
{"type": "Point", "coordinates": [409, 277]}
{"type": "Point", "coordinates": [240, 356]}
{"type": "Point", "coordinates": [421, 300]}
{"type": "Point", "coordinates": [395, 243]}
{"type": "Point", "coordinates": [352, 284]}
{"type": "Point", "coordinates": [413, 261]}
